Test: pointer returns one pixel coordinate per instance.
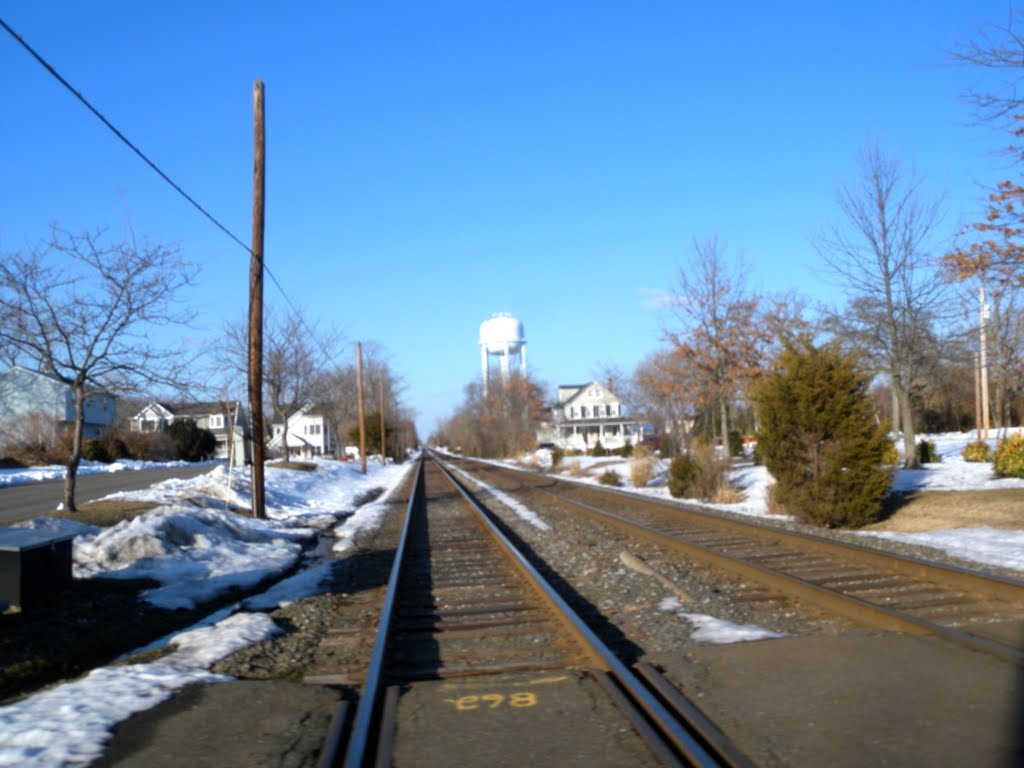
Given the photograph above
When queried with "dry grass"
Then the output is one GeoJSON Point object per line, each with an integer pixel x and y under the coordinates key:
{"type": "Point", "coordinates": [930, 510]}
{"type": "Point", "coordinates": [727, 495]}
{"type": "Point", "coordinates": [575, 469]}
{"type": "Point", "coordinates": [109, 512]}
{"type": "Point", "coordinates": [641, 467]}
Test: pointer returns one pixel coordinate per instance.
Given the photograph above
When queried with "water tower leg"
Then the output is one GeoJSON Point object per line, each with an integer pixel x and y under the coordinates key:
{"type": "Point", "coordinates": [483, 366]}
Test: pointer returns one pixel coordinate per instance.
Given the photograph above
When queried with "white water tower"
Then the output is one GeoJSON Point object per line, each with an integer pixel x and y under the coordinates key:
{"type": "Point", "coordinates": [501, 336]}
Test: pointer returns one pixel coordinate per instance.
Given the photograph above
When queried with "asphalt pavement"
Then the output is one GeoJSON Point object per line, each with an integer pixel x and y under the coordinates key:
{"type": "Point", "coordinates": [24, 501]}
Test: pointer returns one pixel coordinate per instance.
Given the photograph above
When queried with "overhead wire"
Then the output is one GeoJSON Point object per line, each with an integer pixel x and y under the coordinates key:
{"type": "Point", "coordinates": [85, 102]}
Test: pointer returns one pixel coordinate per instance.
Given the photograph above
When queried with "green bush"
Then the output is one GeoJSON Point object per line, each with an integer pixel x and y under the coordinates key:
{"type": "Point", "coordinates": [978, 451]}
{"type": "Point", "coordinates": [1008, 460]}
{"type": "Point", "coordinates": [193, 443]}
{"type": "Point", "coordinates": [96, 450]}
{"type": "Point", "coordinates": [819, 438]}
{"type": "Point", "coordinates": [926, 453]}
{"type": "Point", "coordinates": [626, 450]}
{"type": "Point", "coordinates": [684, 476]}
{"type": "Point", "coordinates": [735, 443]}
{"type": "Point", "coordinates": [609, 477]}
{"type": "Point", "coordinates": [598, 450]}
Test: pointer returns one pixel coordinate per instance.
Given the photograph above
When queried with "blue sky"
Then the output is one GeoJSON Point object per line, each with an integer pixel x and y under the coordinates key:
{"type": "Point", "coordinates": [429, 164]}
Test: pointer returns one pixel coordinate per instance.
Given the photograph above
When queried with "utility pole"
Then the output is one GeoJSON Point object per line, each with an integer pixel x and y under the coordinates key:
{"type": "Point", "coordinates": [256, 306]}
{"type": "Point", "coordinates": [977, 396]}
{"type": "Point", "coordinates": [359, 405]}
{"type": "Point", "coordinates": [984, 363]}
{"type": "Point", "coordinates": [383, 445]}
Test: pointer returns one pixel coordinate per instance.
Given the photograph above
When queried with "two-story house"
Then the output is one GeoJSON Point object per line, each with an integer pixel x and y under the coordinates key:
{"type": "Point", "coordinates": [227, 420]}
{"type": "Point", "coordinates": [38, 405]}
{"type": "Point", "coordinates": [309, 434]}
{"type": "Point", "coordinates": [587, 414]}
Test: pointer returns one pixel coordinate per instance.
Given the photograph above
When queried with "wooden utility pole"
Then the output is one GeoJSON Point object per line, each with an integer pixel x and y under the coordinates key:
{"type": "Point", "coordinates": [383, 443]}
{"type": "Point", "coordinates": [256, 306]}
{"type": "Point", "coordinates": [984, 364]}
{"type": "Point", "coordinates": [977, 396]}
{"type": "Point", "coordinates": [359, 405]}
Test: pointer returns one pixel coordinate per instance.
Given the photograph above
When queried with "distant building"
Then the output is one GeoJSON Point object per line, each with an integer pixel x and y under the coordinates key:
{"type": "Point", "coordinates": [309, 434]}
{"type": "Point", "coordinates": [38, 405]}
{"type": "Point", "coordinates": [587, 414]}
{"type": "Point", "coordinates": [227, 420]}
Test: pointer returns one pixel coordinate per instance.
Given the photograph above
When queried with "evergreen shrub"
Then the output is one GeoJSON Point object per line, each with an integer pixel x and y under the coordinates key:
{"type": "Point", "coordinates": [819, 439]}
{"type": "Point", "coordinates": [193, 442]}
{"type": "Point", "coordinates": [626, 450]}
{"type": "Point", "coordinates": [1008, 460]}
{"type": "Point", "coordinates": [926, 453]}
{"type": "Point", "coordinates": [978, 451]}
{"type": "Point", "coordinates": [698, 474]}
{"type": "Point", "coordinates": [683, 476]}
{"type": "Point", "coordinates": [96, 450]}
{"type": "Point", "coordinates": [735, 443]}
{"type": "Point", "coordinates": [598, 450]}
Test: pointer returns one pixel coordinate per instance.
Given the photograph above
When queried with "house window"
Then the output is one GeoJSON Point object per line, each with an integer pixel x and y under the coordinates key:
{"type": "Point", "coordinates": [217, 422]}
{"type": "Point", "coordinates": [572, 412]}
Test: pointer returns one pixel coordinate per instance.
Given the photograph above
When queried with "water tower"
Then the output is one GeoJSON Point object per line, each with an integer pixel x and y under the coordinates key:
{"type": "Point", "coordinates": [502, 337]}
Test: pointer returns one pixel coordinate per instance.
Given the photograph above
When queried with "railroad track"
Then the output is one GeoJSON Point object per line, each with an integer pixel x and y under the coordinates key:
{"type": "Point", "coordinates": [874, 588]}
{"type": "Point", "coordinates": [461, 603]}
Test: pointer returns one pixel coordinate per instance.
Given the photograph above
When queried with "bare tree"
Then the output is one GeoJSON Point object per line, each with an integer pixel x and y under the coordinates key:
{"type": "Point", "coordinates": [340, 384]}
{"type": "Point", "coordinates": [716, 332]}
{"type": "Point", "coordinates": [877, 253]}
{"type": "Point", "coordinates": [998, 47]}
{"type": "Point", "coordinates": [85, 312]}
{"type": "Point", "coordinates": [296, 353]}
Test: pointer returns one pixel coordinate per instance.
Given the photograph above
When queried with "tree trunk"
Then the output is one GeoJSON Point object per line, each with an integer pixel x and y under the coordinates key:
{"type": "Point", "coordinates": [75, 458]}
{"type": "Point", "coordinates": [906, 424]}
{"type": "Point", "coordinates": [725, 431]}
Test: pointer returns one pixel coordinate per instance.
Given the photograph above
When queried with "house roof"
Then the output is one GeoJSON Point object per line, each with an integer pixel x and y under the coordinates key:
{"type": "Point", "coordinates": [583, 388]}
{"type": "Point", "coordinates": [191, 409]}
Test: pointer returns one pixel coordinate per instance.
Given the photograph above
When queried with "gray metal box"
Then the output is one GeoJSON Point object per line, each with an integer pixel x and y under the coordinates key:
{"type": "Point", "coordinates": [35, 566]}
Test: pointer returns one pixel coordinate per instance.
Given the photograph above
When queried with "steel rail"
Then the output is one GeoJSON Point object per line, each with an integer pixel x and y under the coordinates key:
{"type": "Point", "coordinates": [670, 725]}
{"type": "Point", "coordinates": [850, 606]}
{"type": "Point", "coordinates": [356, 753]}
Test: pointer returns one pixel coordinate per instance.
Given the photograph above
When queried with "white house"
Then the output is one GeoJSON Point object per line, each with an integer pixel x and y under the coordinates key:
{"type": "Point", "coordinates": [309, 434]}
{"type": "Point", "coordinates": [37, 405]}
{"type": "Point", "coordinates": [227, 420]}
{"type": "Point", "coordinates": [587, 414]}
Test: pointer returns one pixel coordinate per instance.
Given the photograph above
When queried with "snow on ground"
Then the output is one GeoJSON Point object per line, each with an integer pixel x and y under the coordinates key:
{"type": "Point", "coordinates": [197, 549]}
{"type": "Point", "coordinates": [55, 472]}
{"type": "Point", "coordinates": [708, 629]}
{"type": "Point", "coordinates": [521, 510]}
{"type": "Point", "coordinates": [952, 473]}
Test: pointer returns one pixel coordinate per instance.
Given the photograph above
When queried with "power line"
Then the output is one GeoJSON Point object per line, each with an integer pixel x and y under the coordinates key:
{"type": "Point", "coordinates": [49, 68]}
{"type": "Point", "coordinates": [46, 65]}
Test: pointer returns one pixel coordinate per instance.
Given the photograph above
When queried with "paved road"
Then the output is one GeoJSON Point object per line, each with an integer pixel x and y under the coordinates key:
{"type": "Point", "coordinates": [28, 500]}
